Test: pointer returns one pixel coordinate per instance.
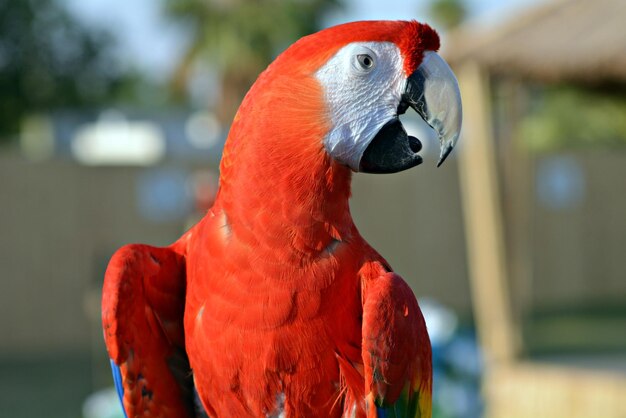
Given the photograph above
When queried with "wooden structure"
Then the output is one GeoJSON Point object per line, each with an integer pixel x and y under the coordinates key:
{"type": "Point", "coordinates": [576, 40]}
{"type": "Point", "coordinates": [564, 40]}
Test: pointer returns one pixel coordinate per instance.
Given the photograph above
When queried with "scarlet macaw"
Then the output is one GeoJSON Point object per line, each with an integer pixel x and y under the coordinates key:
{"type": "Point", "coordinates": [273, 305]}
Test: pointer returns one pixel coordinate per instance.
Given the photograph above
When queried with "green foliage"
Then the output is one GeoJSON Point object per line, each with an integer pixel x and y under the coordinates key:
{"type": "Point", "coordinates": [565, 117]}
{"type": "Point", "coordinates": [48, 60]}
{"type": "Point", "coordinates": [448, 13]}
{"type": "Point", "coordinates": [239, 38]}
{"type": "Point", "coordinates": [247, 33]}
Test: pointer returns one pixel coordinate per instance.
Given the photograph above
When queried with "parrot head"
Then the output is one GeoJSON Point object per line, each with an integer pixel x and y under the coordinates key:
{"type": "Point", "coordinates": [331, 103]}
{"type": "Point", "coordinates": [370, 73]}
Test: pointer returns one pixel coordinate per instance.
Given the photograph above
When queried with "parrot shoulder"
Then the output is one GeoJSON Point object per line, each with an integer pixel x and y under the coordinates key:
{"type": "Point", "coordinates": [143, 304]}
{"type": "Point", "coordinates": [396, 349]}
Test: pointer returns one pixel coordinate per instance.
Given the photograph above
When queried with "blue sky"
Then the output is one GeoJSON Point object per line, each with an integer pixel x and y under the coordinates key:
{"type": "Point", "coordinates": [153, 45]}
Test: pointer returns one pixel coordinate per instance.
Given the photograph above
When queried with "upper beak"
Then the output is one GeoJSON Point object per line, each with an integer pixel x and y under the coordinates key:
{"type": "Point", "coordinates": [433, 91]}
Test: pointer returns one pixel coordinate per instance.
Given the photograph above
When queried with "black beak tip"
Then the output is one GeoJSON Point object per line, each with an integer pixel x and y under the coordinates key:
{"type": "Point", "coordinates": [418, 160]}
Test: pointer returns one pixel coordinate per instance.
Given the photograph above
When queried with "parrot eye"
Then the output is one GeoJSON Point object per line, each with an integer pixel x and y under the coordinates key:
{"type": "Point", "coordinates": [362, 59]}
{"type": "Point", "coordinates": [365, 61]}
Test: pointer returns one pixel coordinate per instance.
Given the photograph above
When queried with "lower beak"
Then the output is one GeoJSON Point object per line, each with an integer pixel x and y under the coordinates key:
{"type": "Point", "coordinates": [433, 92]}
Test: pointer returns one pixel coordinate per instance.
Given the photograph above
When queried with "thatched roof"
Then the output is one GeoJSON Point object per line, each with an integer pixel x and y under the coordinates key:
{"type": "Point", "coordinates": [581, 40]}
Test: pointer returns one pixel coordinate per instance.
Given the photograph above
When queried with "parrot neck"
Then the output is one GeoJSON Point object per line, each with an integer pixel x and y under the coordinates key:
{"type": "Point", "coordinates": [276, 179]}
{"type": "Point", "coordinates": [305, 203]}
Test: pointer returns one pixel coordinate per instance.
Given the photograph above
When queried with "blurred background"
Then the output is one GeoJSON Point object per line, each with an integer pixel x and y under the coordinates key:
{"type": "Point", "coordinates": [112, 119]}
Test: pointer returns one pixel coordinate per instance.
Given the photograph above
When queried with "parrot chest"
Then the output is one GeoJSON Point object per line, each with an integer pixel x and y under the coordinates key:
{"type": "Point", "coordinates": [263, 334]}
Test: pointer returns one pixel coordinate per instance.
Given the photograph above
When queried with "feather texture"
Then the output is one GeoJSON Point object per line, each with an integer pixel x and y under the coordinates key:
{"type": "Point", "coordinates": [142, 308]}
{"type": "Point", "coordinates": [279, 305]}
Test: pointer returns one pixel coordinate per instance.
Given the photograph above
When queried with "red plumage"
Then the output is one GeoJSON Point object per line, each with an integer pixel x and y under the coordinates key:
{"type": "Point", "coordinates": [286, 308]}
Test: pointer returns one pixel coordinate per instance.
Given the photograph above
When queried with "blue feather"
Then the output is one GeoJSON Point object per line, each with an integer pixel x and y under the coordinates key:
{"type": "Point", "coordinates": [381, 413]}
{"type": "Point", "coordinates": [117, 379]}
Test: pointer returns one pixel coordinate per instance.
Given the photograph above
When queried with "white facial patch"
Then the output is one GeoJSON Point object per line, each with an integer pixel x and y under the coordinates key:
{"type": "Point", "coordinates": [363, 83]}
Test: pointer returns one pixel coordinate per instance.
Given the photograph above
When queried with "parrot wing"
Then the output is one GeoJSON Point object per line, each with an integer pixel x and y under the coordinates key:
{"type": "Point", "coordinates": [396, 350]}
{"type": "Point", "coordinates": [143, 303]}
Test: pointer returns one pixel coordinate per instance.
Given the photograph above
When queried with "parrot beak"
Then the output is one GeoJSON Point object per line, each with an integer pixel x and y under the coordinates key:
{"type": "Point", "coordinates": [433, 92]}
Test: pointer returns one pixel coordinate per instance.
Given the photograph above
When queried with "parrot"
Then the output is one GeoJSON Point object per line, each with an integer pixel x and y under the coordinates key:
{"type": "Point", "coordinates": [273, 304]}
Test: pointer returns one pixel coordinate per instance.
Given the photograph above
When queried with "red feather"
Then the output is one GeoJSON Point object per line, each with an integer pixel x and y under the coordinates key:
{"type": "Point", "coordinates": [142, 315]}
{"type": "Point", "coordinates": [286, 308]}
